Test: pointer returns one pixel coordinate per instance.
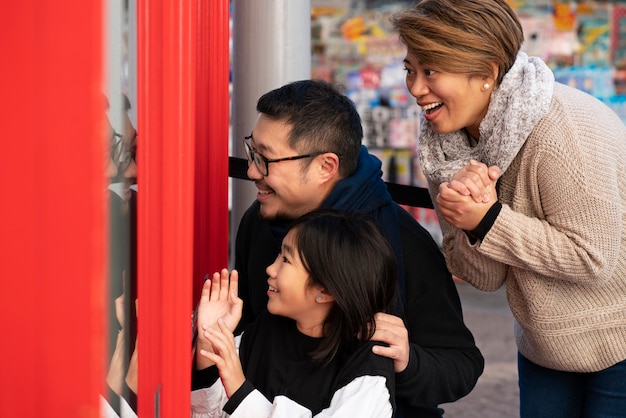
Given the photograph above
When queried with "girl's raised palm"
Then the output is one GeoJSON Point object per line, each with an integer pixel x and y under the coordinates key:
{"type": "Point", "coordinates": [219, 300]}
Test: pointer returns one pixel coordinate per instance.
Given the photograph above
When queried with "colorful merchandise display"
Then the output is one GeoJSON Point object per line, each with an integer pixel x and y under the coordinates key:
{"type": "Point", "coordinates": [584, 42]}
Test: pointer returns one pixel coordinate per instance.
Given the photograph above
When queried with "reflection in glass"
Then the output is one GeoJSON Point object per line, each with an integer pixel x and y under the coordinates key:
{"type": "Point", "coordinates": [121, 171]}
{"type": "Point", "coordinates": [120, 168]}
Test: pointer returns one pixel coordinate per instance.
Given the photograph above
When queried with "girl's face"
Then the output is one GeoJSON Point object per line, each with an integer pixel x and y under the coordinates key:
{"type": "Point", "coordinates": [450, 101]}
{"type": "Point", "coordinates": [289, 292]}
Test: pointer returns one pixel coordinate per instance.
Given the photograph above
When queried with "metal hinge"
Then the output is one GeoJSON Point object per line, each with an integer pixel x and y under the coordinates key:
{"type": "Point", "coordinates": [157, 402]}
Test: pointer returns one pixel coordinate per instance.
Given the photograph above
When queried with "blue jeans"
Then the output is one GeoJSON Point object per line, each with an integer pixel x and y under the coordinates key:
{"type": "Point", "coordinates": [555, 394]}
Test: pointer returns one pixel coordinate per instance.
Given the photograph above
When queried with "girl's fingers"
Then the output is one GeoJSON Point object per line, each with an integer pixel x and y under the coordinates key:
{"type": "Point", "coordinates": [225, 331]}
{"type": "Point", "coordinates": [213, 357]}
{"type": "Point", "coordinates": [215, 286]}
{"type": "Point", "coordinates": [206, 288]}
{"type": "Point", "coordinates": [223, 343]}
{"type": "Point", "coordinates": [224, 284]}
{"type": "Point", "coordinates": [216, 338]}
{"type": "Point", "coordinates": [234, 282]}
{"type": "Point", "coordinates": [222, 339]}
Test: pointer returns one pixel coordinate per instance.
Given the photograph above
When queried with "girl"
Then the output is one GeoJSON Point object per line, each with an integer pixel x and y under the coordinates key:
{"type": "Point", "coordinates": [309, 354]}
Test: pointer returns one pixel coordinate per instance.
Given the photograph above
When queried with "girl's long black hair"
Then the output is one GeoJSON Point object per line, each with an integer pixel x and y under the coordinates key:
{"type": "Point", "coordinates": [346, 254]}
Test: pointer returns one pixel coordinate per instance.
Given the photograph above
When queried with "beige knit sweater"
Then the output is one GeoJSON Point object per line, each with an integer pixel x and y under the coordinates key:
{"type": "Point", "coordinates": [559, 242]}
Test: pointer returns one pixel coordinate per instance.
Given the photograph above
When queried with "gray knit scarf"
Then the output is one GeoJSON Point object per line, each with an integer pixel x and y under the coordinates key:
{"type": "Point", "coordinates": [515, 107]}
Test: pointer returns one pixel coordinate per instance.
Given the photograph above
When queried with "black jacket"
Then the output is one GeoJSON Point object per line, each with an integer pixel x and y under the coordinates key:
{"type": "Point", "coordinates": [444, 361]}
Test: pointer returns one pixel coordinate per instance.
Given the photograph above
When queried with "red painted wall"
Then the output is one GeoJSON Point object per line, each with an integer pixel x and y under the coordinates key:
{"type": "Point", "coordinates": [183, 200]}
{"type": "Point", "coordinates": [52, 214]}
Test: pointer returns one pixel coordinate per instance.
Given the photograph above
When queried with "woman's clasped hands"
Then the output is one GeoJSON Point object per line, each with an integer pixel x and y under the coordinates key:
{"type": "Point", "coordinates": [466, 198]}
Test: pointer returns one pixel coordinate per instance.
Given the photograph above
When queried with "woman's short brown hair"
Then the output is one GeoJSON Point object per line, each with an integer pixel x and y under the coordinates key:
{"type": "Point", "coordinates": [461, 36]}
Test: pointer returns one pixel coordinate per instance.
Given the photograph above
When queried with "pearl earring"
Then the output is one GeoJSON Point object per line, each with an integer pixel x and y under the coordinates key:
{"type": "Point", "coordinates": [319, 298]}
{"type": "Point", "coordinates": [486, 86]}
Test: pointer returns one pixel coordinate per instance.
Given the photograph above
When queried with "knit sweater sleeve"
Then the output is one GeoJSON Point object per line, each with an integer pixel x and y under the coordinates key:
{"type": "Point", "coordinates": [561, 213]}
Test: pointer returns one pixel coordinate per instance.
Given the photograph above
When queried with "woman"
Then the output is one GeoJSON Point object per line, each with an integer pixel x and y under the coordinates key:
{"type": "Point", "coordinates": [529, 182]}
{"type": "Point", "coordinates": [310, 353]}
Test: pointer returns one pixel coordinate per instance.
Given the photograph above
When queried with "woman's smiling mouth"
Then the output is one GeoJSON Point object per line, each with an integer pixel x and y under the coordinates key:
{"type": "Point", "coordinates": [429, 108]}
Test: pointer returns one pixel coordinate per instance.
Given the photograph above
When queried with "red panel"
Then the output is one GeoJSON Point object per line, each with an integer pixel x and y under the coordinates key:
{"type": "Point", "coordinates": [212, 101]}
{"type": "Point", "coordinates": [166, 114]}
{"type": "Point", "coordinates": [52, 216]}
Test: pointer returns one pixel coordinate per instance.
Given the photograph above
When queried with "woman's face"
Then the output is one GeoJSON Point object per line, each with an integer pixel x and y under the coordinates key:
{"type": "Point", "coordinates": [450, 102]}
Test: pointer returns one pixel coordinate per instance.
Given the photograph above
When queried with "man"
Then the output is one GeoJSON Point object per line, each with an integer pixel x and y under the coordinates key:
{"type": "Point", "coordinates": [305, 152]}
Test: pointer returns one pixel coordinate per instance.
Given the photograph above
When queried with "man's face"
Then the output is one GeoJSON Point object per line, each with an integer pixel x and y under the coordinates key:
{"type": "Point", "coordinates": [288, 190]}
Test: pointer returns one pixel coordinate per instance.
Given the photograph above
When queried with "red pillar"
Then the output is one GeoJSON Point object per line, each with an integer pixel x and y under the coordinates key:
{"type": "Point", "coordinates": [52, 216]}
{"type": "Point", "coordinates": [212, 121]}
{"type": "Point", "coordinates": [167, 31]}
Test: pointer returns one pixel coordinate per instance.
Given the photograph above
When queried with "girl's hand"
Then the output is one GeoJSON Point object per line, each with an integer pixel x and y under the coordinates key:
{"type": "Point", "coordinates": [218, 301]}
{"type": "Point", "coordinates": [225, 357]}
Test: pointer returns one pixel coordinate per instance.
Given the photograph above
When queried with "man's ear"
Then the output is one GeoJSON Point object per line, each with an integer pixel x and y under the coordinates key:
{"type": "Point", "coordinates": [329, 166]}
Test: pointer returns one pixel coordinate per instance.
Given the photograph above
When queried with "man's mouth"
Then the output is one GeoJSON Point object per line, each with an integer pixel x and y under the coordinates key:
{"type": "Point", "coordinates": [263, 190]}
{"type": "Point", "coordinates": [273, 289]}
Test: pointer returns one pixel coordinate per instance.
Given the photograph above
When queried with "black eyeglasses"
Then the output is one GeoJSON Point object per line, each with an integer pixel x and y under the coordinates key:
{"type": "Point", "coordinates": [262, 163]}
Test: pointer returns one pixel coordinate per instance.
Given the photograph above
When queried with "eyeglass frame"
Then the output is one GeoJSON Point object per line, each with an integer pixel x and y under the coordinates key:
{"type": "Point", "coordinates": [251, 153]}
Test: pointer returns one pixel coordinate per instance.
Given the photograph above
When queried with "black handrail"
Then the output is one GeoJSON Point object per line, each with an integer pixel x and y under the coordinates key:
{"type": "Point", "coordinates": [400, 193]}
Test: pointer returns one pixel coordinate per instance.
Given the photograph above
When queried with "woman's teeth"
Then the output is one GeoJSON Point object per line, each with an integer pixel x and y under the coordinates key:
{"type": "Point", "coordinates": [431, 106]}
